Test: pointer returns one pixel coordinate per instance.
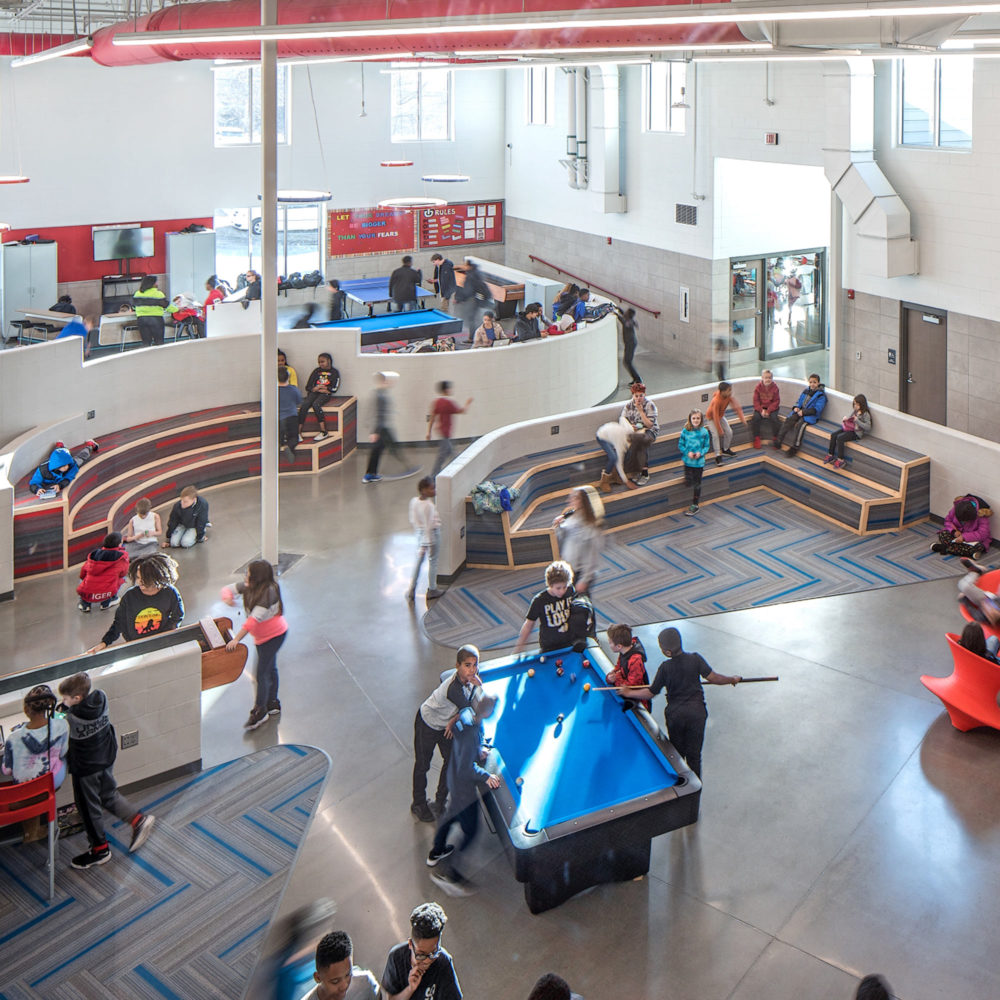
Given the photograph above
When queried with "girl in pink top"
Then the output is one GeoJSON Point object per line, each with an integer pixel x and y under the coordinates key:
{"type": "Point", "coordinates": [265, 621]}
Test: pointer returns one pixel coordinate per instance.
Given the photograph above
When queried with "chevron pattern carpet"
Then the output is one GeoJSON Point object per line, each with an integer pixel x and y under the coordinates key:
{"type": "Point", "coordinates": [743, 552]}
{"type": "Point", "coordinates": [183, 918]}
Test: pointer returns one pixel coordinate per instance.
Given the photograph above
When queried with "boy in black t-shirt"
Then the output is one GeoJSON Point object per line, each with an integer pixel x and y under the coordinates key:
{"type": "Point", "coordinates": [564, 618]}
{"type": "Point", "coordinates": [686, 713]}
{"type": "Point", "coordinates": [420, 969]}
{"type": "Point", "coordinates": [324, 381]}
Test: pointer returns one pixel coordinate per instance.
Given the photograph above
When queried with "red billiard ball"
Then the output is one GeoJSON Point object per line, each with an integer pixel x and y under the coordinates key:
{"type": "Point", "coordinates": [559, 671]}
{"type": "Point", "coordinates": [558, 663]}
{"type": "Point", "coordinates": [586, 663]}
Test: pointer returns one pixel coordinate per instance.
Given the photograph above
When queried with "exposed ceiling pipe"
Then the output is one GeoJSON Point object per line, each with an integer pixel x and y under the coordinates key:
{"type": "Point", "coordinates": [571, 136]}
{"type": "Point", "coordinates": [12, 44]}
{"type": "Point", "coordinates": [582, 162]}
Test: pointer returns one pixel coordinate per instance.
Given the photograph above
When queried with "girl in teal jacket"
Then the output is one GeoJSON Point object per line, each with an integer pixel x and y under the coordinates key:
{"type": "Point", "coordinates": [693, 445]}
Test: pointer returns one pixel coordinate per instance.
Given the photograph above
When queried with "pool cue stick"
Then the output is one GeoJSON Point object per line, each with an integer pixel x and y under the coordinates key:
{"type": "Point", "coordinates": [744, 680]}
{"type": "Point", "coordinates": [615, 687]}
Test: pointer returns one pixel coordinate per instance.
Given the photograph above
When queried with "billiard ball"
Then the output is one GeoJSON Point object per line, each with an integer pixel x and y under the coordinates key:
{"type": "Point", "coordinates": [531, 671]}
{"type": "Point", "coordinates": [541, 659]}
{"type": "Point", "coordinates": [572, 678]}
{"type": "Point", "coordinates": [560, 717]}
{"type": "Point", "coordinates": [559, 671]}
{"type": "Point", "coordinates": [586, 663]}
{"type": "Point", "coordinates": [520, 781]}
{"type": "Point", "coordinates": [558, 663]}
{"type": "Point", "coordinates": [586, 687]}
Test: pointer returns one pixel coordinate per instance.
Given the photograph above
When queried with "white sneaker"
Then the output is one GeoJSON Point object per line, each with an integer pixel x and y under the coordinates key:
{"type": "Point", "coordinates": [322, 436]}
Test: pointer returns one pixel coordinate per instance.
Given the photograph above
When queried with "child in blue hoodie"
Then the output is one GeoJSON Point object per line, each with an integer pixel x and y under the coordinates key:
{"type": "Point", "coordinates": [807, 410]}
{"type": "Point", "coordinates": [60, 469]}
{"type": "Point", "coordinates": [465, 772]}
{"type": "Point", "coordinates": [693, 444]}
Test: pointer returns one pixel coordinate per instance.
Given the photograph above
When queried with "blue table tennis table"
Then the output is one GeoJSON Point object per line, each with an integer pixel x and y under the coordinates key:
{"type": "Point", "coordinates": [371, 292]}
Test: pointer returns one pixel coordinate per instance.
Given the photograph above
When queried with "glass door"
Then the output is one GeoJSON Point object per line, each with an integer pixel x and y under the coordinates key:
{"type": "Point", "coordinates": [745, 311]}
{"type": "Point", "coordinates": [794, 303]}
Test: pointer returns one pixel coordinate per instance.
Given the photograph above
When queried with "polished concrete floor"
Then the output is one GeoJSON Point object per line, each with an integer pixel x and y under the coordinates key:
{"type": "Point", "coordinates": [845, 827]}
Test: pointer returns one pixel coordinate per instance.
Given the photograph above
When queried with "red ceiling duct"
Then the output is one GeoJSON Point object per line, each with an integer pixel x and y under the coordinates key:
{"type": "Point", "coordinates": [243, 13]}
{"type": "Point", "coordinates": [28, 45]}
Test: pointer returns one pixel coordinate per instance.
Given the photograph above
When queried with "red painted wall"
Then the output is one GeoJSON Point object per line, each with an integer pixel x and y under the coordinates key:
{"type": "Point", "coordinates": [76, 247]}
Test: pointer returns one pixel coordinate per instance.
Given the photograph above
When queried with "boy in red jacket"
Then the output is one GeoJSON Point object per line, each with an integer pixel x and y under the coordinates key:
{"type": "Point", "coordinates": [766, 401]}
{"type": "Point", "coordinates": [102, 574]}
{"type": "Point", "coordinates": [631, 668]}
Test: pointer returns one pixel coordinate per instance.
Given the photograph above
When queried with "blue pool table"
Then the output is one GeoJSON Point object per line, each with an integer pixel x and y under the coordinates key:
{"type": "Point", "coordinates": [386, 328]}
{"type": "Point", "coordinates": [371, 292]}
{"type": "Point", "coordinates": [594, 789]}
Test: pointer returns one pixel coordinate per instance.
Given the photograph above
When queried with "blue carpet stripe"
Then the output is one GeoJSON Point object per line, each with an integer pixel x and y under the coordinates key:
{"type": "Point", "coordinates": [273, 833]}
{"type": "Point", "coordinates": [138, 859]}
{"type": "Point", "coordinates": [232, 850]}
{"type": "Point", "coordinates": [482, 607]}
{"type": "Point", "coordinates": [297, 793]}
{"type": "Point", "coordinates": [110, 935]}
{"type": "Point", "coordinates": [37, 897]}
{"type": "Point", "coordinates": [161, 987]}
{"type": "Point", "coordinates": [37, 920]}
{"type": "Point", "coordinates": [246, 937]}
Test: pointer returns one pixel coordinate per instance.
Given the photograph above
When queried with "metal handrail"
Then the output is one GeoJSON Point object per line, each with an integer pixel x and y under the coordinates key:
{"type": "Point", "coordinates": [590, 284]}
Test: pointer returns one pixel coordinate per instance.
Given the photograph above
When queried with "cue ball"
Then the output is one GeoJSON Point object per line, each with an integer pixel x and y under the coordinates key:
{"type": "Point", "coordinates": [560, 717]}
{"type": "Point", "coordinates": [586, 687]}
{"type": "Point", "coordinates": [559, 671]}
{"type": "Point", "coordinates": [541, 659]}
{"type": "Point", "coordinates": [520, 781]}
{"type": "Point", "coordinates": [531, 672]}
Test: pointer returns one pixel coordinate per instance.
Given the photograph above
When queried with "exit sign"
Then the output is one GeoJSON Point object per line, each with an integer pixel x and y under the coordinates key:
{"type": "Point", "coordinates": [770, 138]}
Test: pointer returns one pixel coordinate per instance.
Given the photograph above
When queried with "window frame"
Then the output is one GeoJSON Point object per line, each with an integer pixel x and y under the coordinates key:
{"type": "Point", "coordinates": [421, 74]}
{"type": "Point", "coordinates": [676, 118]}
{"type": "Point", "coordinates": [252, 93]}
{"type": "Point", "coordinates": [899, 78]}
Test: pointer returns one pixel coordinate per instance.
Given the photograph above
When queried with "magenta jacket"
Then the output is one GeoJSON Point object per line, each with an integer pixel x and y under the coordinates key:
{"type": "Point", "coordinates": [972, 531]}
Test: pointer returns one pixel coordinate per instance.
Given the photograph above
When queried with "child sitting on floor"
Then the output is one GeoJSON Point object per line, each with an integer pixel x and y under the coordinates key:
{"type": "Point", "coordinates": [630, 670]}
{"type": "Point", "coordinates": [142, 535]}
{"type": "Point", "coordinates": [103, 573]}
{"type": "Point", "coordinates": [188, 520]}
{"type": "Point", "coordinates": [966, 529]}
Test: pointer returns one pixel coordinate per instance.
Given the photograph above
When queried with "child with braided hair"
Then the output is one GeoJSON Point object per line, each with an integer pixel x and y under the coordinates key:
{"type": "Point", "coordinates": [152, 605]}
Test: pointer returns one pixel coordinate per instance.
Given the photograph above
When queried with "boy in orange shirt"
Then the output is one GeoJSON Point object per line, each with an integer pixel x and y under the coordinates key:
{"type": "Point", "coordinates": [718, 426]}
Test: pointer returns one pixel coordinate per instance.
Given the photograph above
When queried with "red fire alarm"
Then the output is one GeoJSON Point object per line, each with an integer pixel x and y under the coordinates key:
{"type": "Point", "coordinates": [609, 241]}
{"type": "Point", "coordinates": [770, 138]}
{"type": "Point", "coordinates": [850, 293]}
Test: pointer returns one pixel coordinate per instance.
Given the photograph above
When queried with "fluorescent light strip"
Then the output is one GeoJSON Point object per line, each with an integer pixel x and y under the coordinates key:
{"type": "Point", "coordinates": [452, 26]}
{"type": "Point", "coordinates": [56, 52]}
{"type": "Point", "coordinates": [844, 54]}
{"type": "Point", "coordinates": [614, 49]}
{"type": "Point", "coordinates": [312, 61]}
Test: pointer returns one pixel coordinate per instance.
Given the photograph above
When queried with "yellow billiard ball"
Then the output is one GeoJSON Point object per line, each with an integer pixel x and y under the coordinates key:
{"type": "Point", "coordinates": [586, 687]}
{"type": "Point", "coordinates": [531, 672]}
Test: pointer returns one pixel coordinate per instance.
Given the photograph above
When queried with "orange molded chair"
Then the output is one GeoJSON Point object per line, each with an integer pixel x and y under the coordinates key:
{"type": "Point", "coordinates": [989, 582]}
{"type": "Point", "coordinates": [970, 693]}
{"type": "Point", "coordinates": [27, 800]}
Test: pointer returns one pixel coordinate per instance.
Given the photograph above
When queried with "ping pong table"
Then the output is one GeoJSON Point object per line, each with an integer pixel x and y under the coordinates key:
{"type": "Point", "coordinates": [370, 292]}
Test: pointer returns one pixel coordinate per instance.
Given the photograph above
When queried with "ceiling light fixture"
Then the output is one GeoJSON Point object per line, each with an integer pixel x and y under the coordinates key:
{"type": "Point", "coordinates": [446, 178]}
{"type": "Point", "coordinates": [56, 52]}
{"type": "Point", "coordinates": [457, 26]}
{"type": "Point", "coordinates": [396, 163]}
{"type": "Point", "coordinates": [412, 203]}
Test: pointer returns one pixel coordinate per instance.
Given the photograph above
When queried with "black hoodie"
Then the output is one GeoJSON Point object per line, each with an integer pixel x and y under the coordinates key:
{"type": "Point", "coordinates": [92, 743]}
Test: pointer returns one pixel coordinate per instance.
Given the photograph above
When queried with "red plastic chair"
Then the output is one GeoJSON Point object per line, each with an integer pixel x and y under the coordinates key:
{"type": "Point", "coordinates": [970, 692]}
{"type": "Point", "coordinates": [29, 799]}
{"type": "Point", "coordinates": [989, 582]}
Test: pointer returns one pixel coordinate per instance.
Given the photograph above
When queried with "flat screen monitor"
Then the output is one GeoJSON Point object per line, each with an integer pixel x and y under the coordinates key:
{"type": "Point", "coordinates": [121, 244]}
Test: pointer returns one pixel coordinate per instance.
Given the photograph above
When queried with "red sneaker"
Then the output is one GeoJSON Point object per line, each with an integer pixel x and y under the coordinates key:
{"type": "Point", "coordinates": [756, 442]}
{"type": "Point", "coordinates": [93, 445]}
{"type": "Point", "coordinates": [59, 444]}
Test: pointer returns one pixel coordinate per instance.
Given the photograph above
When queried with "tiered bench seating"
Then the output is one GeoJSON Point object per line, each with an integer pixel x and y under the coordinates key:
{"type": "Point", "coordinates": [206, 448]}
{"type": "Point", "coordinates": [881, 488]}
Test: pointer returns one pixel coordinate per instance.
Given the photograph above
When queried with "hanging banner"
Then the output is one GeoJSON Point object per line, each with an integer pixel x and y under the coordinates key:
{"type": "Point", "coordinates": [361, 232]}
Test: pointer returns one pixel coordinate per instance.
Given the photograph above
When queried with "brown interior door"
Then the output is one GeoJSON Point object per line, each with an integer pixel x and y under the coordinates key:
{"type": "Point", "coordinates": [924, 374]}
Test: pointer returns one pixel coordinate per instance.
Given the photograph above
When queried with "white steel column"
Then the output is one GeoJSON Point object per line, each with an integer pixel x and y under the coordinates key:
{"type": "Point", "coordinates": [269, 290]}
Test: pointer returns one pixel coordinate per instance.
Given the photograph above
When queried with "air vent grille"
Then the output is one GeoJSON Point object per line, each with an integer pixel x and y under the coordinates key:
{"type": "Point", "coordinates": [686, 215]}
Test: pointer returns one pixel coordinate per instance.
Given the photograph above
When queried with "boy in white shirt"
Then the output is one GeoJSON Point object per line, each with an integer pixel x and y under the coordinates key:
{"type": "Point", "coordinates": [337, 977]}
{"type": "Point", "coordinates": [427, 524]}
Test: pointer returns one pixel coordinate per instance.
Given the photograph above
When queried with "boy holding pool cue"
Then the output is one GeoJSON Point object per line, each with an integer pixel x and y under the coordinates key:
{"type": "Point", "coordinates": [636, 687]}
{"type": "Point", "coordinates": [686, 712]}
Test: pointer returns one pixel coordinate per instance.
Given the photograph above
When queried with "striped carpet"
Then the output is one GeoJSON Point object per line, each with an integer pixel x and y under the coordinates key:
{"type": "Point", "coordinates": [183, 918]}
{"type": "Point", "coordinates": [747, 551]}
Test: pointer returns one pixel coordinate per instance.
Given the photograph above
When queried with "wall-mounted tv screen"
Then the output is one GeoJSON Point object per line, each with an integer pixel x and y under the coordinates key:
{"type": "Point", "coordinates": [120, 244]}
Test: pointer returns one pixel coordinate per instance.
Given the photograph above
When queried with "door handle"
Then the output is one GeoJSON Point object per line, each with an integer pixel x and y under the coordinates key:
{"type": "Point", "coordinates": [909, 378]}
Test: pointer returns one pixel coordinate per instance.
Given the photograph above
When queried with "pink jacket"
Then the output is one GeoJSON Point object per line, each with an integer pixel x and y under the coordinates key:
{"type": "Point", "coordinates": [262, 623]}
{"type": "Point", "coordinates": [972, 531]}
